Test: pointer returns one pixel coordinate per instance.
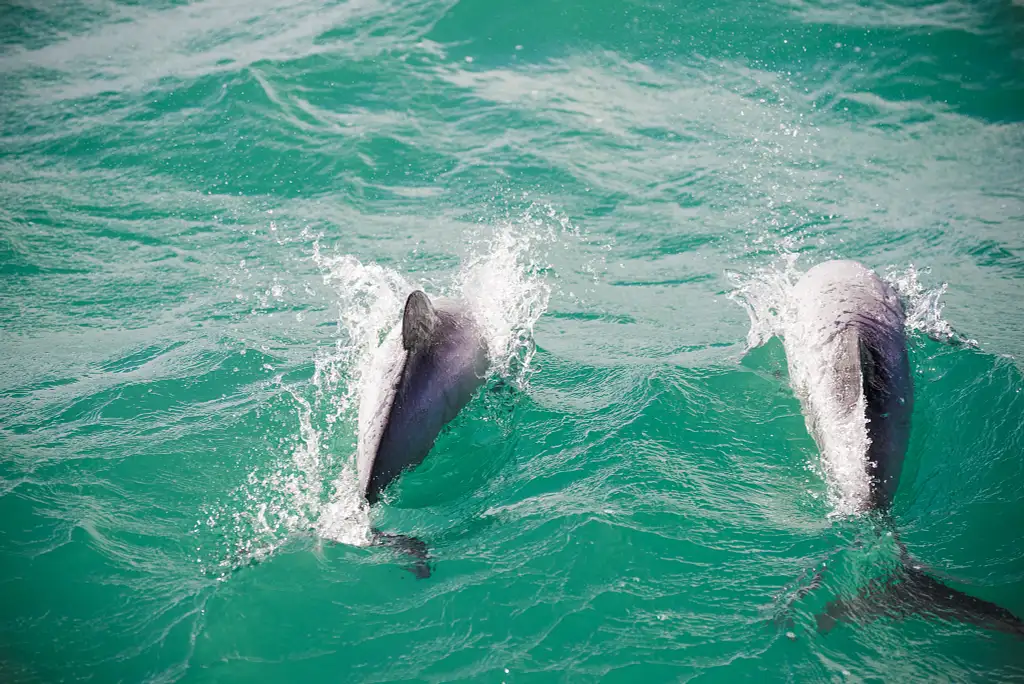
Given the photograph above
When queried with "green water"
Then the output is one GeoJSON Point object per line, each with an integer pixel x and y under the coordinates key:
{"type": "Point", "coordinates": [210, 212]}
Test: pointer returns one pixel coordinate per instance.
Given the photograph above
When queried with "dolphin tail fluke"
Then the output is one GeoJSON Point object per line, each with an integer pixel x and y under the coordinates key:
{"type": "Point", "coordinates": [408, 545]}
{"type": "Point", "coordinates": [912, 591]}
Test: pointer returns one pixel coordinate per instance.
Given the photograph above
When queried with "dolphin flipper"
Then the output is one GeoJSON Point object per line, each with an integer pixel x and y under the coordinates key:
{"type": "Point", "coordinates": [783, 617]}
{"type": "Point", "coordinates": [408, 545]}
{"type": "Point", "coordinates": [501, 386]}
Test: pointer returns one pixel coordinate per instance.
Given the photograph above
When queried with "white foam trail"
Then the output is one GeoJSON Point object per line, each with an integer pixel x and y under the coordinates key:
{"type": "Point", "coordinates": [768, 297]}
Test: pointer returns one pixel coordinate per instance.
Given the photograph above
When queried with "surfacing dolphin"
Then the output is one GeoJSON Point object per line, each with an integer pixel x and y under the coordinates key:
{"type": "Point", "coordinates": [847, 353]}
{"type": "Point", "coordinates": [422, 375]}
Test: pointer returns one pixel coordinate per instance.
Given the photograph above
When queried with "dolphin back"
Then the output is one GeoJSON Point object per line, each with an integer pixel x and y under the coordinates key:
{"type": "Point", "coordinates": [847, 353]}
{"type": "Point", "coordinates": [443, 362]}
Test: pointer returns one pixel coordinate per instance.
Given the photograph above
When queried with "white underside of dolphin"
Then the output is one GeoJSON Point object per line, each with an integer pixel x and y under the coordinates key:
{"type": "Point", "coordinates": [376, 400]}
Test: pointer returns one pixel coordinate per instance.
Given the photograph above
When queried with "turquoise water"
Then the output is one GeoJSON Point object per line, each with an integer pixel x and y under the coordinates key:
{"type": "Point", "coordinates": [211, 211]}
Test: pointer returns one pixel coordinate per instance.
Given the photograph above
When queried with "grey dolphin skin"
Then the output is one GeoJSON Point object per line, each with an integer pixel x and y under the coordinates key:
{"type": "Point", "coordinates": [848, 357]}
{"type": "Point", "coordinates": [430, 372]}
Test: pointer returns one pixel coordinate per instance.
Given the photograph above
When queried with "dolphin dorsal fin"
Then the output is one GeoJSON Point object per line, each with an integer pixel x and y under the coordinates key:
{"type": "Point", "coordinates": [418, 322]}
{"type": "Point", "coordinates": [871, 370]}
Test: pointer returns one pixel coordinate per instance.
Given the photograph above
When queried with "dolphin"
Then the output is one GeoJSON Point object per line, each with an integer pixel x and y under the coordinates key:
{"type": "Point", "coordinates": [846, 346]}
{"type": "Point", "coordinates": [421, 376]}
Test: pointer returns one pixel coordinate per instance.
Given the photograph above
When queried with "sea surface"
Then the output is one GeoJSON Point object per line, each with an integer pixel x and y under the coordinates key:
{"type": "Point", "coordinates": [211, 213]}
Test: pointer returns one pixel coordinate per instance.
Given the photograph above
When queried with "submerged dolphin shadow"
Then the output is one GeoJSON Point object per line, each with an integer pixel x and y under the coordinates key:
{"type": "Point", "coordinates": [408, 545]}
{"type": "Point", "coordinates": [909, 590]}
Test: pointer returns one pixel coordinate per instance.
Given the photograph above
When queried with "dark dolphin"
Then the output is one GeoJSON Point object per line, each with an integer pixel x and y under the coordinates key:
{"type": "Point", "coordinates": [420, 381]}
{"type": "Point", "coordinates": [847, 350]}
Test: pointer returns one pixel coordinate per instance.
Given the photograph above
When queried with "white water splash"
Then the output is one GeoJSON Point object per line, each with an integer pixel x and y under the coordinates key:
{"type": "Point", "coordinates": [506, 292]}
{"type": "Point", "coordinates": [766, 295]}
{"type": "Point", "coordinates": [838, 423]}
{"type": "Point", "coordinates": [923, 306]}
{"type": "Point", "coordinates": [370, 299]}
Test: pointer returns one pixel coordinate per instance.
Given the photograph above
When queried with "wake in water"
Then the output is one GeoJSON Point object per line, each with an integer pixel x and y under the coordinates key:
{"type": "Point", "coordinates": [314, 489]}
